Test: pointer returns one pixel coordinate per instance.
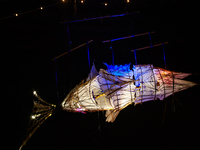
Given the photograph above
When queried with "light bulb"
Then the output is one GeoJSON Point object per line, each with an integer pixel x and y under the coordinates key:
{"type": "Point", "coordinates": [82, 2]}
{"type": "Point", "coordinates": [106, 4]}
{"type": "Point", "coordinates": [35, 93]}
{"type": "Point", "coordinates": [41, 8]}
{"type": "Point", "coordinates": [16, 15]}
{"type": "Point", "coordinates": [63, 0]}
{"type": "Point", "coordinates": [128, 1]}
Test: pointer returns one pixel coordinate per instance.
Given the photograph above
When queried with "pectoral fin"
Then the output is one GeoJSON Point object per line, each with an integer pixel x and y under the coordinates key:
{"type": "Point", "coordinates": [111, 115]}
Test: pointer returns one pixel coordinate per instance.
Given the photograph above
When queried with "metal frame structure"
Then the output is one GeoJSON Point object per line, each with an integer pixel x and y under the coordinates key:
{"type": "Point", "coordinates": [150, 47]}
{"type": "Point", "coordinates": [126, 37]}
{"type": "Point", "coordinates": [66, 23]}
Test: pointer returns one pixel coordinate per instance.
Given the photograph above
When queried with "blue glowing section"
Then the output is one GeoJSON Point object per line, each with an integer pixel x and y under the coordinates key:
{"type": "Point", "coordinates": [119, 15]}
{"type": "Point", "coordinates": [122, 38]}
{"type": "Point", "coordinates": [118, 70]}
{"type": "Point", "coordinates": [117, 39]}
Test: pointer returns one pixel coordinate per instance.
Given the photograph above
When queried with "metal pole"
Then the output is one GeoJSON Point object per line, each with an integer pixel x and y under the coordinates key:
{"type": "Point", "coordinates": [164, 55]}
{"type": "Point", "coordinates": [88, 54]}
{"type": "Point", "coordinates": [131, 25]}
{"type": "Point", "coordinates": [150, 39]}
{"type": "Point", "coordinates": [111, 16]}
{"type": "Point", "coordinates": [112, 54]}
{"type": "Point", "coordinates": [75, 10]}
{"type": "Point", "coordinates": [72, 49]}
{"type": "Point", "coordinates": [126, 37]}
{"type": "Point", "coordinates": [69, 41]}
{"type": "Point", "coordinates": [135, 57]}
{"type": "Point", "coordinates": [149, 46]}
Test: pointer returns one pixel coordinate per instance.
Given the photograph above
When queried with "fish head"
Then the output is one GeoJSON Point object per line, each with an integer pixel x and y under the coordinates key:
{"type": "Point", "coordinates": [72, 105]}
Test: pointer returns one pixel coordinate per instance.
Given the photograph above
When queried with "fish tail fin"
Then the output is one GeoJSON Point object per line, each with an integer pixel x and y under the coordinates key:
{"type": "Point", "coordinates": [41, 111]}
{"type": "Point", "coordinates": [111, 115]}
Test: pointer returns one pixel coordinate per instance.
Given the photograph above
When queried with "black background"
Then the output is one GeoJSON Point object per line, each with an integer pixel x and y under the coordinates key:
{"type": "Point", "coordinates": [31, 40]}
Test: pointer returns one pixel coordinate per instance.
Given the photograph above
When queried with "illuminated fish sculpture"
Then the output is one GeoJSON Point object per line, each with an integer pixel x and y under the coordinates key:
{"type": "Point", "coordinates": [112, 90]}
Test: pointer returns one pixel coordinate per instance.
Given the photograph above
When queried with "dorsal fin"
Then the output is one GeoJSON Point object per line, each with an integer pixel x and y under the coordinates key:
{"type": "Point", "coordinates": [93, 73]}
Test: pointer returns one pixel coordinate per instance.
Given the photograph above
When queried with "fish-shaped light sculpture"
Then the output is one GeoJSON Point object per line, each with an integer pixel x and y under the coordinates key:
{"type": "Point", "coordinates": [112, 90]}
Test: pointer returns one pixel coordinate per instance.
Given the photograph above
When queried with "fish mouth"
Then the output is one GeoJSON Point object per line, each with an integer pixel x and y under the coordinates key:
{"type": "Point", "coordinates": [72, 106]}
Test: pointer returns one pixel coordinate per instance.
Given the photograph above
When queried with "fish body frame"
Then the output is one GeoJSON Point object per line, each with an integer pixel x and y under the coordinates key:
{"type": "Point", "coordinates": [120, 86]}
{"type": "Point", "coordinates": [112, 90]}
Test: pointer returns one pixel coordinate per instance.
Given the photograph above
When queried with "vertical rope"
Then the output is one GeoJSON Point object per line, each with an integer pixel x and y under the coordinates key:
{"type": "Point", "coordinates": [56, 76]}
{"type": "Point", "coordinates": [164, 55]}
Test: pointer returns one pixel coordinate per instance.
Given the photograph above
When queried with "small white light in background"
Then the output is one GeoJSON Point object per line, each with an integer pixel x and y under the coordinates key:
{"type": "Point", "coordinates": [106, 4]}
{"type": "Point", "coordinates": [33, 117]}
{"type": "Point", "coordinates": [16, 15]}
{"type": "Point", "coordinates": [63, 0]}
{"type": "Point", "coordinates": [41, 8]}
{"type": "Point", "coordinates": [128, 1]}
{"type": "Point", "coordinates": [35, 93]}
{"type": "Point", "coordinates": [82, 1]}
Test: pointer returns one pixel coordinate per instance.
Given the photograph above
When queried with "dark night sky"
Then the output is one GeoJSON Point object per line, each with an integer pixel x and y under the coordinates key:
{"type": "Point", "coordinates": [31, 40]}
